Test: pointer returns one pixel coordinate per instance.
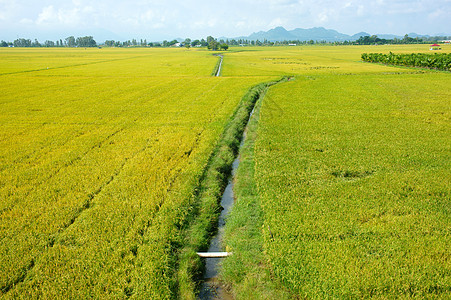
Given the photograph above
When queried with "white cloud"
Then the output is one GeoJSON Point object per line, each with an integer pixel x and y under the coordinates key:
{"type": "Point", "coordinates": [47, 14]}
{"type": "Point", "coordinates": [277, 22]}
{"type": "Point", "coordinates": [240, 24]}
{"type": "Point", "coordinates": [196, 18]}
{"type": "Point", "coordinates": [66, 16]}
{"type": "Point", "coordinates": [149, 15]}
{"type": "Point", "coordinates": [360, 10]}
{"type": "Point", "coordinates": [26, 21]}
{"type": "Point", "coordinates": [323, 16]}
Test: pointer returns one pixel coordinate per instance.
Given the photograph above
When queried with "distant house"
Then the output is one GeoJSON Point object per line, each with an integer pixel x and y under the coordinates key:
{"type": "Point", "coordinates": [435, 47]}
{"type": "Point", "coordinates": [291, 44]}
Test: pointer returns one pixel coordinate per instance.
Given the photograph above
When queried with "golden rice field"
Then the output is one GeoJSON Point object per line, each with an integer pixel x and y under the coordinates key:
{"type": "Point", "coordinates": [104, 150]}
{"type": "Point", "coordinates": [101, 155]}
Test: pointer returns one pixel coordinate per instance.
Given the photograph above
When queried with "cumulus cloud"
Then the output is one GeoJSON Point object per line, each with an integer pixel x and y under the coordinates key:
{"type": "Point", "coordinates": [26, 21]}
{"type": "Point", "coordinates": [67, 16]}
{"type": "Point", "coordinates": [47, 14]}
{"type": "Point", "coordinates": [277, 22]}
{"type": "Point", "coordinates": [196, 18]}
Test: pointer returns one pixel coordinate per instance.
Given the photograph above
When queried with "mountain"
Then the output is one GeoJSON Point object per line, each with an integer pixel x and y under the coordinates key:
{"type": "Point", "coordinates": [359, 35]}
{"type": "Point", "coordinates": [388, 36]}
{"type": "Point", "coordinates": [315, 34]}
{"type": "Point", "coordinates": [276, 34]}
{"type": "Point", "coordinates": [319, 34]}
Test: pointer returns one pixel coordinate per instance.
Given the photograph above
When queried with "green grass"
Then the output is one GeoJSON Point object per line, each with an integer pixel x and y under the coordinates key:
{"type": "Point", "coordinates": [247, 272]}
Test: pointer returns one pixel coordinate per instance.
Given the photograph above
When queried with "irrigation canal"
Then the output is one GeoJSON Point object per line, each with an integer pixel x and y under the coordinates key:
{"type": "Point", "coordinates": [211, 288]}
{"type": "Point", "coordinates": [218, 72]}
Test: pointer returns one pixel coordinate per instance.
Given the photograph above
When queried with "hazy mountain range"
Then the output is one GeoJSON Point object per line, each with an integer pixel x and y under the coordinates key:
{"type": "Point", "coordinates": [316, 34]}
{"type": "Point", "coordinates": [276, 34]}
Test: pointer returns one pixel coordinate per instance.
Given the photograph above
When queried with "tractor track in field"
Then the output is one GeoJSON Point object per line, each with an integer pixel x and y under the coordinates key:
{"type": "Point", "coordinates": [69, 66]}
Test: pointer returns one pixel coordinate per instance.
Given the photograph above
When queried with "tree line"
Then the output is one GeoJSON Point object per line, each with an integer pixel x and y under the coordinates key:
{"type": "Point", "coordinates": [214, 44]}
{"type": "Point", "coordinates": [210, 42]}
{"type": "Point", "coordinates": [375, 40]}
{"type": "Point", "coordinates": [436, 61]}
{"type": "Point", "coordinates": [86, 41]}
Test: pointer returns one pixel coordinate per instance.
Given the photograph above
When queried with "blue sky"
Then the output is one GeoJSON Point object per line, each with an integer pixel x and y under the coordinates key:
{"type": "Point", "coordinates": [167, 19]}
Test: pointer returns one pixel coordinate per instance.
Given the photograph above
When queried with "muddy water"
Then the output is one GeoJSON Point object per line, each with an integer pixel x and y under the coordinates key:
{"type": "Point", "coordinates": [211, 288]}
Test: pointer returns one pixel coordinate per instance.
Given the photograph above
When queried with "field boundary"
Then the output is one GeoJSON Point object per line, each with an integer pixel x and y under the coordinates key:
{"type": "Point", "coordinates": [440, 62]}
{"type": "Point", "coordinates": [246, 273]}
{"type": "Point", "coordinates": [212, 184]}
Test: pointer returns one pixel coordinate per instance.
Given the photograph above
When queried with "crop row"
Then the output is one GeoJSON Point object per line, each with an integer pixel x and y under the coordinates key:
{"type": "Point", "coordinates": [437, 61]}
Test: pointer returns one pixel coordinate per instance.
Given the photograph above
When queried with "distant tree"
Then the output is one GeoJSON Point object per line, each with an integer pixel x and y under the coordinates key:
{"type": "Point", "coordinates": [187, 45]}
{"type": "Point", "coordinates": [70, 41]}
{"type": "Point", "coordinates": [213, 45]}
{"type": "Point", "coordinates": [36, 43]}
{"type": "Point", "coordinates": [109, 43]}
{"type": "Point", "coordinates": [3, 44]}
{"type": "Point", "coordinates": [86, 41]}
{"type": "Point", "coordinates": [187, 41]}
{"type": "Point", "coordinates": [22, 43]}
{"type": "Point", "coordinates": [195, 43]}
{"type": "Point", "coordinates": [49, 43]}
{"type": "Point", "coordinates": [224, 46]}
{"type": "Point", "coordinates": [210, 39]}
{"type": "Point", "coordinates": [203, 43]}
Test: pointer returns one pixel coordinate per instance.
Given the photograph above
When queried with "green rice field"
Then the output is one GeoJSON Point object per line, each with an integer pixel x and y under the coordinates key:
{"type": "Point", "coordinates": [343, 190]}
{"type": "Point", "coordinates": [349, 194]}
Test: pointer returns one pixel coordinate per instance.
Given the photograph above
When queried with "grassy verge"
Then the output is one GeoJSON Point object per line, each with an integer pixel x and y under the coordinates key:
{"type": "Point", "coordinates": [247, 272]}
{"type": "Point", "coordinates": [212, 185]}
